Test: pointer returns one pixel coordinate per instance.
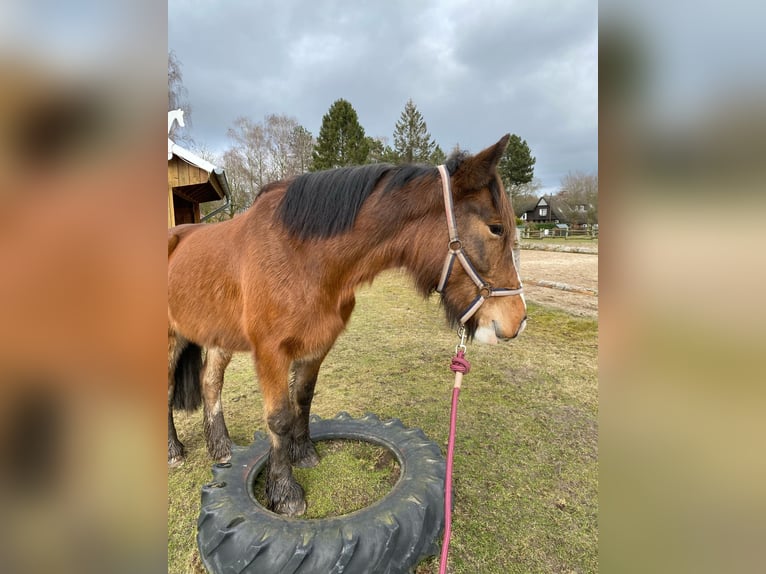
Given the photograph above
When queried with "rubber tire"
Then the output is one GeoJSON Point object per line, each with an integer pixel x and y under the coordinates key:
{"type": "Point", "coordinates": [236, 534]}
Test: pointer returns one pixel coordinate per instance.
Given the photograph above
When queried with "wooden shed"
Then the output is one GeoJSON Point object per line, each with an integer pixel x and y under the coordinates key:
{"type": "Point", "coordinates": [192, 181]}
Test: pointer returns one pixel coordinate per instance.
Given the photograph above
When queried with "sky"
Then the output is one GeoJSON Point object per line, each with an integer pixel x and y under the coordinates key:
{"type": "Point", "coordinates": [475, 69]}
{"type": "Point", "coordinates": [695, 52]}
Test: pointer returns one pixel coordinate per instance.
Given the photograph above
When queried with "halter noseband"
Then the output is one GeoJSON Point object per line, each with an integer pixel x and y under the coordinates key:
{"type": "Point", "coordinates": [455, 248]}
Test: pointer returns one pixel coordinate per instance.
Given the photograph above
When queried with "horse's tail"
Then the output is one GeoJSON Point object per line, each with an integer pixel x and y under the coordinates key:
{"type": "Point", "coordinates": [187, 391]}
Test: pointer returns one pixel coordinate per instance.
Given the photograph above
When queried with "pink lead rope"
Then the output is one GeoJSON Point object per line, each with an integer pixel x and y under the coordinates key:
{"type": "Point", "coordinates": [460, 366]}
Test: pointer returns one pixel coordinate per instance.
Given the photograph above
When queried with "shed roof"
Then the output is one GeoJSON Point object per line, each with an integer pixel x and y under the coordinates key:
{"type": "Point", "coordinates": [198, 190]}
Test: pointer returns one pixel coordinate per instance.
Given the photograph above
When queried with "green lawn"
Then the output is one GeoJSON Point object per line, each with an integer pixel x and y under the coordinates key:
{"type": "Point", "coordinates": [526, 462]}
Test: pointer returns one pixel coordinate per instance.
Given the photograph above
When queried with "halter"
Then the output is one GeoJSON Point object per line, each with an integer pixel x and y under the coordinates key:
{"type": "Point", "coordinates": [455, 248]}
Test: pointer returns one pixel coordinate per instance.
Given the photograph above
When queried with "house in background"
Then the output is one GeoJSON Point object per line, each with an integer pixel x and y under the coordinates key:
{"type": "Point", "coordinates": [545, 210]}
{"type": "Point", "coordinates": [191, 181]}
{"type": "Point", "coordinates": [554, 210]}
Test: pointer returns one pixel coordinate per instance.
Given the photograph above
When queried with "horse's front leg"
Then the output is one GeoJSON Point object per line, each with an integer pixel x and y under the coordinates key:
{"type": "Point", "coordinates": [302, 382]}
{"type": "Point", "coordinates": [283, 494]}
{"type": "Point", "coordinates": [216, 433]}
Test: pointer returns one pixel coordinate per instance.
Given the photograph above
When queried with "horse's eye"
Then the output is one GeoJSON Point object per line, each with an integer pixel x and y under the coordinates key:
{"type": "Point", "coordinates": [497, 230]}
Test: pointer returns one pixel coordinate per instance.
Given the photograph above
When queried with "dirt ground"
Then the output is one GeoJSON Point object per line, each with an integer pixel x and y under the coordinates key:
{"type": "Point", "coordinates": [574, 269]}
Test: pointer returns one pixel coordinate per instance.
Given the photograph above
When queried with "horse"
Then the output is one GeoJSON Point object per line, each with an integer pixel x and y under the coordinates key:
{"type": "Point", "coordinates": [278, 281]}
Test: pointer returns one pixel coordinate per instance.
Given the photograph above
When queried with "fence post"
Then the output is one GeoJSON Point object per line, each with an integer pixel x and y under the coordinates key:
{"type": "Point", "coordinates": [517, 251]}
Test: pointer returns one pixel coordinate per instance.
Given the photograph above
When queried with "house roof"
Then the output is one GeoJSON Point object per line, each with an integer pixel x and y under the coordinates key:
{"type": "Point", "coordinates": [528, 205]}
{"type": "Point", "coordinates": [546, 200]}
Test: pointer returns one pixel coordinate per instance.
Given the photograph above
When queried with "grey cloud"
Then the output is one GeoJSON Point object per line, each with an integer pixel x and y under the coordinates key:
{"type": "Point", "coordinates": [475, 69]}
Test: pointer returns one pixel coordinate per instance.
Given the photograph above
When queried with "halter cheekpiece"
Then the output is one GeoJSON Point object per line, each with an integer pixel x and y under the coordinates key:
{"type": "Point", "coordinates": [455, 251]}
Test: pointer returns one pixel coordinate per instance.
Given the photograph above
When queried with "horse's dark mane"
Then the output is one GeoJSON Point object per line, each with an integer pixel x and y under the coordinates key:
{"type": "Point", "coordinates": [326, 203]}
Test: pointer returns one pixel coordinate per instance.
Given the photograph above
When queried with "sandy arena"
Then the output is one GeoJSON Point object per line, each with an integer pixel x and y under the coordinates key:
{"type": "Point", "coordinates": [577, 270]}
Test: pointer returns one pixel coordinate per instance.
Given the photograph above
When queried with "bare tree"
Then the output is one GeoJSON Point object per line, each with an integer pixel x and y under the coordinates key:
{"type": "Point", "coordinates": [302, 146]}
{"type": "Point", "coordinates": [288, 143]}
{"type": "Point", "coordinates": [262, 152]}
{"type": "Point", "coordinates": [237, 194]}
{"type": "Point", "coordinates": [178, 99]}
{"type": "Point", "coordinates": [247, 157]}
{"type": "Point", "coordinates": [579, 194]}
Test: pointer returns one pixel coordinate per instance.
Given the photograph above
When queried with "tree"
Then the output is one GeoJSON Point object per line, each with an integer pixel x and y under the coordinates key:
{"type": "Point", "coordinates": [302, 145]}
{"type": "Point", "coordinates": [579, 196]}
{"type": "Point", "coordinates": [438, 157]}
{"type": "Point", "coordinates": [380, 151]}
{"type": "Point", "coordinates": [288, 146]}
{"type": "Point", "coordinates": [517, 166]}
{"type": "Point", "coordinates": [412, 142]}
{"type": "Point", "coordinates": [177, 99]}
{"type": "Point", "coordinates": [262, 152]}
{"type": "Point", "coordinates": [376, 150]}
{"type": "Point", "coordinates": [248, 155]}
{"type": "Point", "coordinates": [341, 140]}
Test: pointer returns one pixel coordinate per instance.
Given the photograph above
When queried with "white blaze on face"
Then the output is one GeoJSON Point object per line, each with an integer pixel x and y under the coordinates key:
{"type": "Point", "coordinates": [523, 300]}
{"type": "Point", "coordinates": [523, 324]}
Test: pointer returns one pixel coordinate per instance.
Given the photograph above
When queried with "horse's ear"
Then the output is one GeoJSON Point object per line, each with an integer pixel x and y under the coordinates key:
{"type": "Point", "coordinates": [476, 171]}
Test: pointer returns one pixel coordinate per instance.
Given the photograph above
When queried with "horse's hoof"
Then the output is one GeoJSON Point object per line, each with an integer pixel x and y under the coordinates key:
{"type": "Point", "coordinates": [291, 508]}
{"type": "Point", "coordinates": [223, 459]}
{"type": "Point", "coordinates": [304, 455]}
{"type": "Point", "coordinates": [287, 499]}
{"type": "Point", "coordinates": [175, 462]}
{"type": "Point", "coordinates": [308, 460]}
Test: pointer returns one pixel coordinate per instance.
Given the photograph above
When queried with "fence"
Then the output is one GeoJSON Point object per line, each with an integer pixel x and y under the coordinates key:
{"type": "Point", "coordinates": [559, 233]}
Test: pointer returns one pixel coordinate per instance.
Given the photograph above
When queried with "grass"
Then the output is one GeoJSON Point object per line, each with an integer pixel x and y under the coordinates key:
{"type": "Point", "coordinates": [360, 472]}
{"type": "Point", "coordinates": [526, 482]}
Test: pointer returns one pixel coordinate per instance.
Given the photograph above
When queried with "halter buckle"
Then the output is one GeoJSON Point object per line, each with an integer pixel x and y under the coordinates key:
{"type": "Point", "coordinates": [461, 346]}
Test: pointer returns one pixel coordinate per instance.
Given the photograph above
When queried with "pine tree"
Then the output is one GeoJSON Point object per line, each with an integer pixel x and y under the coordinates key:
{"type": "Point", "coordinates": [517, 166]}
{"type": "Point", "coordinates": [412, 142]}
{"type": "Point", "coordinates": [341, 140]}
{"type": "Point", "coordinates": [438, 157]}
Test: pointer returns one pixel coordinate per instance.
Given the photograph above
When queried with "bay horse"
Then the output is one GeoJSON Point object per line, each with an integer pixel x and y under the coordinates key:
{"type": "Point", "coordinates": [278, 281]}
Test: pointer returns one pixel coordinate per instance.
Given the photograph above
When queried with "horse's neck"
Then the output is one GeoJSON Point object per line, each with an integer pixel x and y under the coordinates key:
{"type": "Point", "coordinates": [410, 245]}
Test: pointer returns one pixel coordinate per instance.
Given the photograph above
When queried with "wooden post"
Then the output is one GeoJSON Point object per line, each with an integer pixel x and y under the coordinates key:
{"type": "Point", "coordinates": [171, 210]}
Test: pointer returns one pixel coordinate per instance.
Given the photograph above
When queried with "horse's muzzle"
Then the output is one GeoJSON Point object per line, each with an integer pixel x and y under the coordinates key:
{"type": "Point", "coordinates": [492, 334]}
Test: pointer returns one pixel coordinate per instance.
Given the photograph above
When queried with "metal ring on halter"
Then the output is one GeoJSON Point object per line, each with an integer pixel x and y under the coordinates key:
{"type": "Point", "coordinates": [455, 242]}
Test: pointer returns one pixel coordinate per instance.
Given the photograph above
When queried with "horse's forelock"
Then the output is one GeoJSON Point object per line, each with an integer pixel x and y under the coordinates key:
{"type": "Point", "coordinates": [454, 161]}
